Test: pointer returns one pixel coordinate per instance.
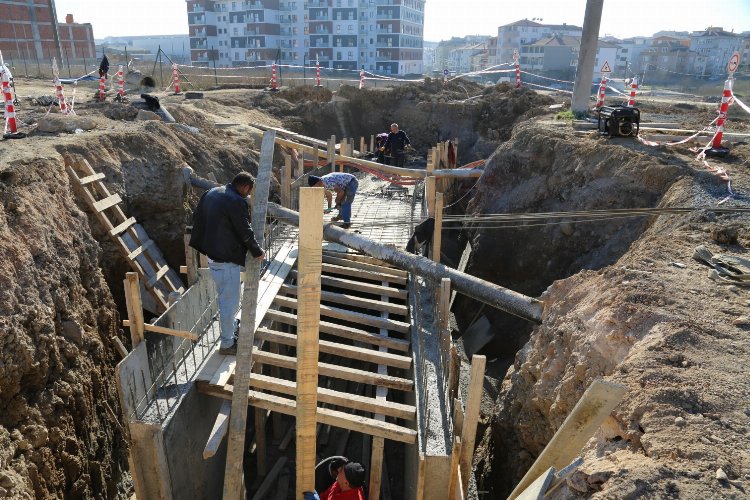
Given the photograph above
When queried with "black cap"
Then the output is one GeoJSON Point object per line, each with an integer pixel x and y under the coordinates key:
{"type": "Point", "coordinates": [355, 474]}
{"type": "Point", "coordinates": [335, 463]}
{"type": "Point", "coordinates": [312, 180]}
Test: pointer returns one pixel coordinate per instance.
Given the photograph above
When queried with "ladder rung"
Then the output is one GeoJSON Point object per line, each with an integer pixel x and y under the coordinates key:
{"type": "Point", "coordinates": [145, 246]}
{"type": "Point", "coordinates": [91, 178]}
{"type": "Point", "coordinates": [110, 201]}
{"type": "Point", "coordinates": [159, 275]}
{"type": "Point", "coordinates": [122, 227]}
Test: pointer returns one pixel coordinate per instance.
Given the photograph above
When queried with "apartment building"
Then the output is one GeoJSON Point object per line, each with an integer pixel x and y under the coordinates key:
{"type": "Point", "coordinates": [383, 36]}
{"type": "Point", "coordinates": [713, 47]}
{"type": "Point", "coordinates": [29, 30]}
{"type": "Point", "coordinates": [512, 36]}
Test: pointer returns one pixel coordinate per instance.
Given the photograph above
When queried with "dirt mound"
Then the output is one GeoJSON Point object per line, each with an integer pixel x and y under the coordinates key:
{"type": "Point", "coordinates": [57, 437]}
{"type": "Point", "coordinates": [636, 318]}
{"type": "Point", "coordinates": [305, 94]}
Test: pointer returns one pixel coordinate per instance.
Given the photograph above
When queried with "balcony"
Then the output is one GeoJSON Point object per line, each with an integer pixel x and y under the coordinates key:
{"type": "Point", "coordinates": [199, 34]}
{"type": "Point", "coordinates": [320, 18]}
{"type": "Point", "coordinates": [321, 31]}
{"type": "Point", "coordinates": [198, 8]}
{"type": "Point", "coordinates": [199, 46]}
{"type": "Point", "coordinates": [287, 19]}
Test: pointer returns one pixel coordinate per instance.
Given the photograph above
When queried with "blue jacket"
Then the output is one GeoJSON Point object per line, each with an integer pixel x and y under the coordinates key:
{"type": "Point", "coordinates": [221, 226]}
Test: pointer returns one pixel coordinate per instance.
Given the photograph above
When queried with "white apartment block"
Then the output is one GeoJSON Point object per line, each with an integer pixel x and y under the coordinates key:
{"type": "Point", "coordinates": [382, 36]}
{"type": "Point", "coordinates": [511, 36]}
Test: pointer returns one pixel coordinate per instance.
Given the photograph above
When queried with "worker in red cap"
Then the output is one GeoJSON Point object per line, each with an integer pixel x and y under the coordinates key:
{"type": "Point", "coordinates": [349, 485]}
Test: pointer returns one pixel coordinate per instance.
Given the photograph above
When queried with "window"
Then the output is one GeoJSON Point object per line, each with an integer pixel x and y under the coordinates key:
{"type": "Point", "coordinates": [351, 54]}
{"type": "Point", "coordinates": [234, 31]}
{"type": "Point", "coordinates": [338, 56]}
{"type": "Point", "coordinates": [338, 28]}
{"type": "Point", "coordinates": [351, 28]}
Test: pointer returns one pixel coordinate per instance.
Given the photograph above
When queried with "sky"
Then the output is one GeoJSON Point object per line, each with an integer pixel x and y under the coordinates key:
{"type": "Point", "coordinates": [446, 18]}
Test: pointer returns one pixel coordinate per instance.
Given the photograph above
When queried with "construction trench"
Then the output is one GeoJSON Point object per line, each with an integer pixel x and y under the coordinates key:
{"type": "Point", "coordinates": [396, 375]}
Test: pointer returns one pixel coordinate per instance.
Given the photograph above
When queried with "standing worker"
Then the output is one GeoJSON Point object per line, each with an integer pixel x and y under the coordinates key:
{"type": "Point", "coordinates": [397, 142]}
{"type": "Point", "coordinates": [345, 187]}
{"type": "Point", "coordinates": [222, 231]}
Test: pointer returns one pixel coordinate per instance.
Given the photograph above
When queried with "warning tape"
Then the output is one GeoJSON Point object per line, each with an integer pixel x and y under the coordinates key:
{"type": "Point", "coordinates": [741, 104]}
{"type": "Point", "coordinates": [546, 77]}
{"type": "Point", "coordinates": [549, 88]}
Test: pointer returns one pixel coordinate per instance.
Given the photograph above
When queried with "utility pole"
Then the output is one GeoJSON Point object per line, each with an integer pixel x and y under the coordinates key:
{"type": "Point", "coordinates": [587, 55]}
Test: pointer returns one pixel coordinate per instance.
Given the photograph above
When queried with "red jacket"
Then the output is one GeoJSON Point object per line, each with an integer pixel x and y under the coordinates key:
{"type": "Point", "coordinates": [335, 493]}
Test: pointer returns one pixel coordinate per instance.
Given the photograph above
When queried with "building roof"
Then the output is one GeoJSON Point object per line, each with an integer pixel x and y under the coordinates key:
{"type": "Point", "coordinates": [558, 41]}
{"type": "Point", "coordinates": [534, 24]}
{"type": "Point", "coordinates": [714, 31]}
{"type": "Point", "coordinates": [606, 44]}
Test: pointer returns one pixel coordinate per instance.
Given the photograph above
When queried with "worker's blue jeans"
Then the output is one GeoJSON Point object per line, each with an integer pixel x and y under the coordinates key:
{"type": "Point", "coordinates": [226, 275]}
{"type": "Point", "coordinates": [345, 208]}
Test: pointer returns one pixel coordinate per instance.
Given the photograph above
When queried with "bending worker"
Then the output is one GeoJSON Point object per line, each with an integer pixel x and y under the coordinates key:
{"type": "Point", "coordinates": [348, 485]}
{"type": "Point", "coordinates": [345, 187]}
{"type": "Point", "coordinates": [222, 231]}
{"type": "Point", "coordinates": [396, 144]}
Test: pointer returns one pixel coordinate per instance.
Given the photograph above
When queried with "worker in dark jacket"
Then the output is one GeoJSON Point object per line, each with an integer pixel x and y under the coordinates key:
{"type": "Point", "coordinates": [222, 231]}
{"type": "Point", "coordinates": [396, 143]}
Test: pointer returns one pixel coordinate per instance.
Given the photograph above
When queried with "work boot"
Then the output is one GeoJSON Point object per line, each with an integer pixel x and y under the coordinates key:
{"type": "Point", "coordinates": [229, 351]}
{"type": "Point", "coordinates": [346, 225]}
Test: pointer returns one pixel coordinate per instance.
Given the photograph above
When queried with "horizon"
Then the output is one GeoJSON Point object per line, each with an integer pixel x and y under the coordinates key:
{"type": "Point", "coordinates": [442, 20]}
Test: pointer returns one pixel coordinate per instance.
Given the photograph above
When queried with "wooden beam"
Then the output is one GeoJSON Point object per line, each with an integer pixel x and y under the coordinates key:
{"type": "Point", "coordinates": [122, 227]}
{"type": "Point", "coordinates": [429, 186]}
{"type": "Point", "coordinates": [353, 300]}
{"type": "Point", "coordinates": [332, 153]}
{"type": "Point", "coordinates": [108, 202]}
{"type": "Point", "coordinates": [594, 406]}
{"type": "Point", "coordinates": [159, 275]}
{"type": "Point", "coordinates": [224, 372]}
{"type": "Point", "coordinates": [144, 246]}
{"type": "Point", "coordinates": [218, 432]}
{"type": "Point", "coordinates": [346, 332]}
{"type": "Point", "coordinates": [170, 331]}
{"type": "Point", "coordinates": [335, 371]}
{"type": "Point", "coordinates": [372, 143]}
{"type": "Point", "coordinates": [357, 257]}
{"type": "Point", "coordinates": [362, 146]}
{"type": "Point", "coordinates": [337, 349]}
{"type": "Point", "coordinates": [455, 467]}
{"type": "Point", "coordinates": [471, 417]}
{"type": "Point", "coordinates": [357, 286]}
{"type": "Point", "coordinates": [326, 416]}
{"type": "Point", "coordinates": [191, 262]}
{"type": "Point", "coordinates": [119, 347]}
{"type": "Point", "coordinates": [358, 273]}
{"type": "Point", "coordinates": [343, 399]}
{"type": "Point", "coordinates": [233, 472]}
{"type": "Point", "coordinates": [285, 184]}
{"type": "Point", "coordinates": [388, 271]}
{"type": "Point", "coordinates": [376, 467]}
{"type": "Point", "coordinates": [134, 307]}
{"type": "Point", "coordinates": [444, 305]}
{"type": "Point", "coordinates": [437, 235]}
{"type": "Point", "coordinates": [538, 489]}
{"type": "Point", "coordinates": [349, 316]}
{"type": "Point", "coordinates": [420, 477]}
{"type": "Point", "coordinates": [261, 456]}
{"type": "Point", "coordinates": [308, 321]}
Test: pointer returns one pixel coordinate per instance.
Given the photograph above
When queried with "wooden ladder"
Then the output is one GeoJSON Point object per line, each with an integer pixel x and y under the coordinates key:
{"type": "Point", "coordinates": [140, 251]}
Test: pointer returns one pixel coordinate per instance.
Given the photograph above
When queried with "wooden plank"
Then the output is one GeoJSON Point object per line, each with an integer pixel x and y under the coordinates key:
{"type": "Point", "coordinates": [338, 398]}
{"type": "Point", "coordinates": [350, 316]}
{"type": "Point", "coordinates": [455, 467]}
{"type": "Point", "coordinates": [335, 371]}
{"type": "Point", "coordinates": [444, 305]}
{"type": "Point", "coordinates": [343, 331]}
{"type": "Point", "coordinates": [332, 153]}
{"type": "Point", "coordinates": [274, 278]}
{"type": "Point", "coordinates": [90, 178]}
{"type": "Point", "coordinates": [471, 417]}
{"type": "Point", "coordinates": [285, 184]}
{"type": "Point", "coordinates": [538, 488]}
{"type": "Point", "coordinates": [388, 271]}
{"type": "Point", "coordinates": [326, 416]}
{"type": "Point", "coordinates": [171, 331]}
{"type": "Point", "coordinates": [420, 477]}
{"type": "Point", "coordinates": [159, 275]}
{"type": "Point", "coordinates": [225, 370]}
{"type": "Point", "coordinates": [108, 202]}
{"type": "Point", "coordinates": [122, 227]}
{"type": "Point", "coordinates": [268, 482]}
{"type": "Point", "coordinates": [119, 347]}
{"type": "Point", "coordinates": [134, 307]}
{"type": "Point", "coordinates": [358, 286]}
{"type": "Point", "coordinates": [357, 273]}
{"type": "Point", "coordinates": [594, 406]}
{"type": "Point", "coordinates": [342, 350]}
{"type": "Point", "coordinates": [191, 261]}
{"type": "Point", "coordinates": [261, 456]}
{"type": "Point", "coordinates": [233, 472]}
{"type": "Point", "coordinates": [308, 321]}
{"type": "Point", "coordinates": [138, 251]}
{"type": "Point", "coordinates": [361, 258]}
{"type": "Point", "coordinates": [210, 366]}
{"type": "Point", "coordinates": [218, 432]}
{"type": "Point", "coordinates": [437, 235]}
{"type": "Point", "coordinates": [429, 186]}
{"type": "Point", "coordinates": [353, 300]}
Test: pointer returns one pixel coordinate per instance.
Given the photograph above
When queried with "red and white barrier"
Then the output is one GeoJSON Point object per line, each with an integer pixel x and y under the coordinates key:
{"type": "Point", "coordinates": [633, 91]}
{"type": "Point", "coordinates": [11, 128]}
{"type": "Point", "coordinates": [602, 91]}
{"type": "Point", "coordinates": [274, 85]}
{"type": "Point", "coordinates": [361, 79]}
{"type": "Point", "coordinates": [59, 93]}
{"type": "Point", "coordinates": [101, 87]}
{"type": "Point", "coordinates": [317, 73]}
{"type": "Point", "coordinates": [120, 83]}
{"type": "Point", "coordinates": [176, 79]}
{"type": "Point", "coordinates": [725, 98]}
{"type": "Point", "coordinates": [518, 68]}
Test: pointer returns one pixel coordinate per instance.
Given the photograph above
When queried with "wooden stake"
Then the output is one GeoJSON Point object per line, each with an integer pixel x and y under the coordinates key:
{"type": "Point", "coordinates": [437, 235]}
{"type": "Point", "coordinates": [308, 321]}
{"type": "Point", "coordinates": [594, 406]}
{"type": "Point", "coordinates": [119, 347]}
{"type": "Point", "coordinates": [420, 478]}
{"type": "Point", "coordinates": [471, 419]}
{"type": "Point", "coordinates": [453, 485]}
{"type": "Point", "coordinates": [444, 307]}
{"type": "Point", "coordinates": [135, 307]}
{"type": "Point", "coordinates": [429, 184]}
{"type": "Point", "coordinates": [300, 166]}
{"type": "Point", "coordinates": [286, 182]}
{"type": "Point", "coordinates": [261, 457]}
{"type": "Point", "coordinates": [233, 476]}
{"type": "Point", "coordinates": [332, 153]}
{"type": "Point", "coordinates": [372, 144]}
{"type": "Point", "coordinates": [361, 146]}
{"type": "Point", "coordinates": [316, 157]}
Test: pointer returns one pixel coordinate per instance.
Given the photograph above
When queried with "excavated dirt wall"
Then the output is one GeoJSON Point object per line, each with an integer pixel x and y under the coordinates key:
{"type": "Point", "coordinates": [630, 305]}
